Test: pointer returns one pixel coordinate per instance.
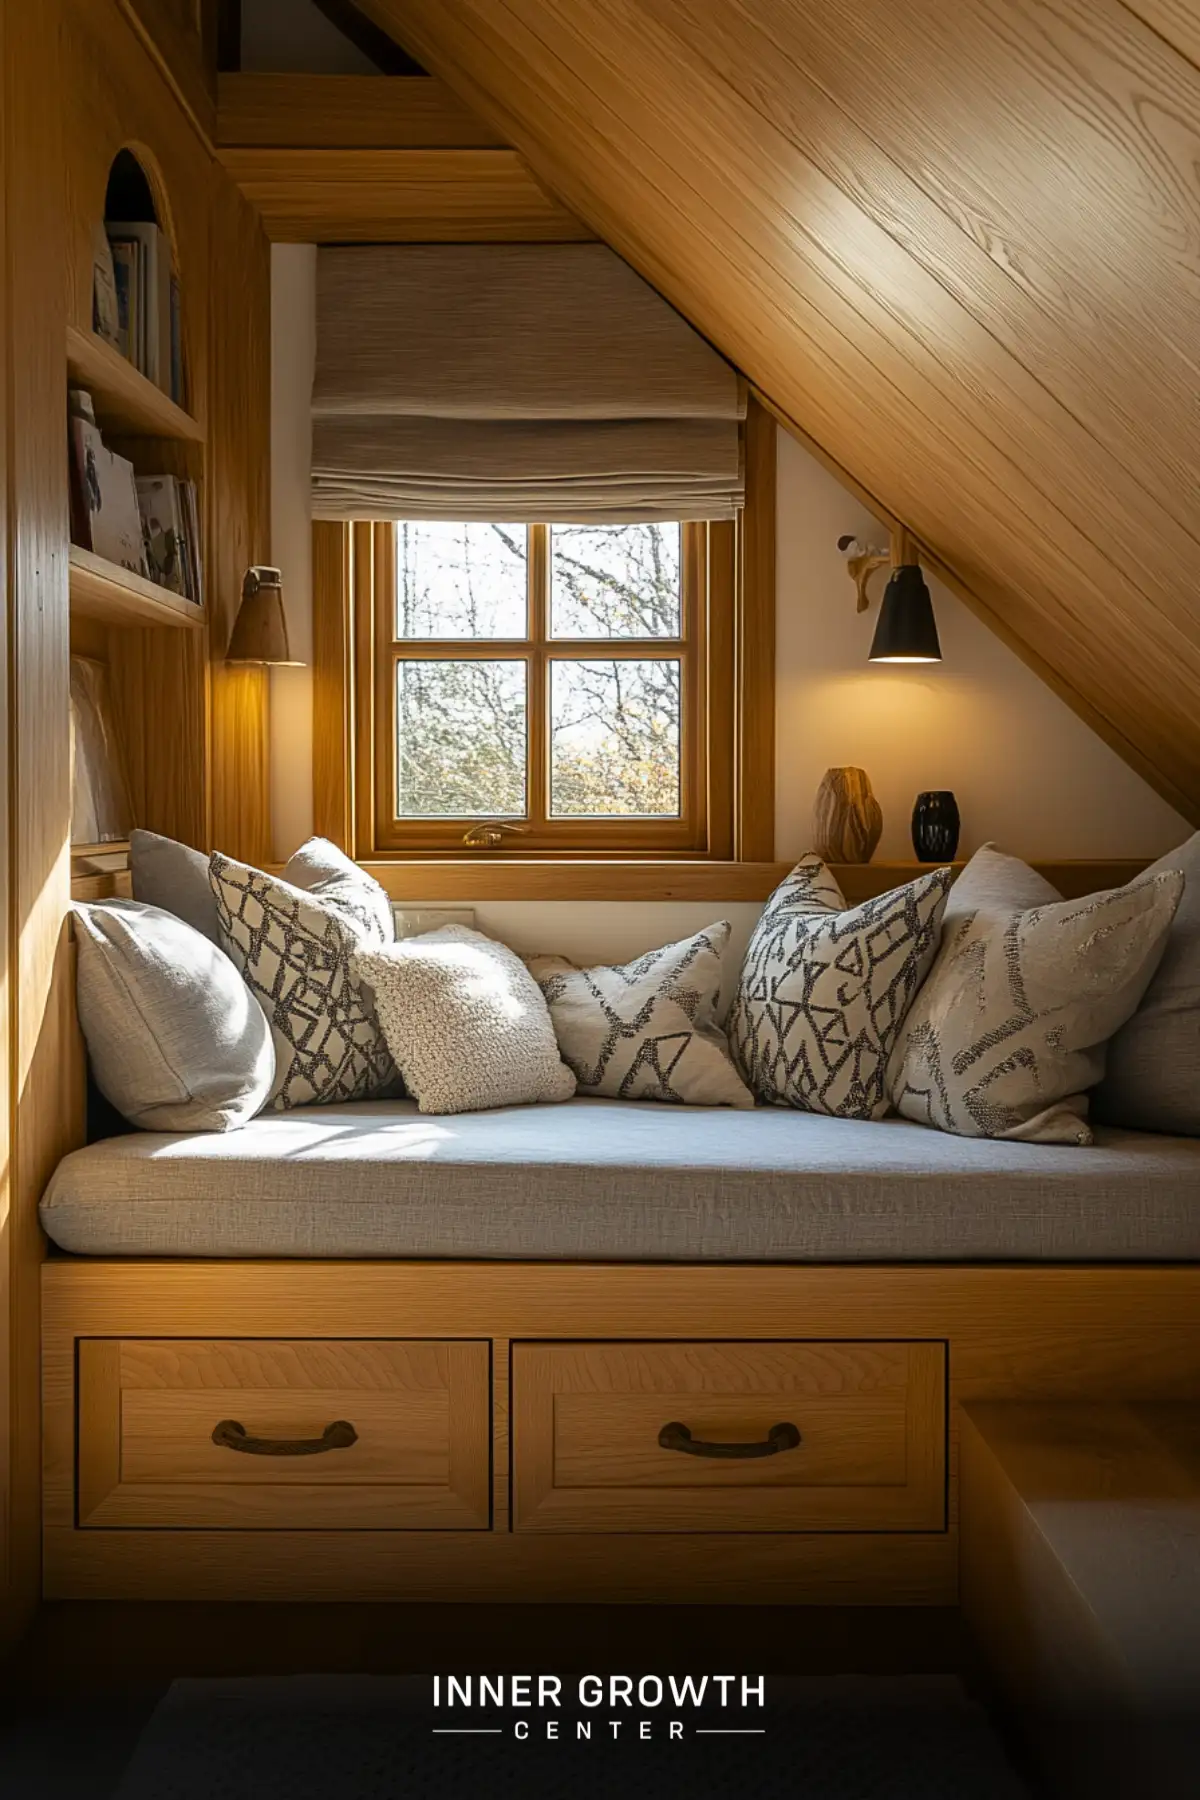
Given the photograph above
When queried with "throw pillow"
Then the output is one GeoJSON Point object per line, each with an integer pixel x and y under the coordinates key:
{"type": "Point", "coordinates": [648, 1030]}
{"type": "Point", "coordinates": [825, 988]}
{"type": "Point", "coordinates": [173, 877]}
{"type": "Point", "coordinates": [465, 1021]}
{"type": "Point", "coordinates": [1152, 1080]}
{"type": "Point", "coordinates": [1009, 1031]}
{"type": "Point", "coordinates": [294, 950]}
{"type": "Point", "coordinates": [993, 879]}
{"type": "Point", "coordinates": [175, 1039]}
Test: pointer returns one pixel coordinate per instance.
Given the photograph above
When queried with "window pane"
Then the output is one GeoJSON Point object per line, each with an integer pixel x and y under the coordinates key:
{"type": "Point", "coordinates": [461, 581]}
{"type": "Point", "coordinates": [460, 739]}
{"type": "Point", "coordinates": [615, 581]}
{"type": "Point", "coordinates": [614, 738]}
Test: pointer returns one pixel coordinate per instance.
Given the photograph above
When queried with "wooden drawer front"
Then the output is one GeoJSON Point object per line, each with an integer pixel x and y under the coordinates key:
{"type": "Point", "coordinates": [587, 1418]}
{"type": "Point", "coordinates": [419, 1457]}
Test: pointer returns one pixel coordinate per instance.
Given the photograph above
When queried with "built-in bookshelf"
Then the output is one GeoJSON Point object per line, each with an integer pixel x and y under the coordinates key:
{"type": "Point", "coordinates": [126, 401]}
{"type": "Point", "coordinates": [100, 590]}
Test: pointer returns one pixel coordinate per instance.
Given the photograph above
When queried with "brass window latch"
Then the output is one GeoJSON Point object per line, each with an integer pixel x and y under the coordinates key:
{"type": "Point", "coordinates": [488, 834]}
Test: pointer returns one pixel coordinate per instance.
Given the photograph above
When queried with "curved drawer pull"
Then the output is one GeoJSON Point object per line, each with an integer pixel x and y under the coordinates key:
{"type": "Point", "coordinates": [677, 1437]}
{"type": "Point", "coordinates": [232, 1435]}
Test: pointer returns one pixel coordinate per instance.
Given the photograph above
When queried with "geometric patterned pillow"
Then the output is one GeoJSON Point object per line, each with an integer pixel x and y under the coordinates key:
{"type": "Point", "coordinates": [646, 1030]}
{"type": "Point", "coordinates": [293, 949]}
{"type": "Point", "coordinates": [824, 990]}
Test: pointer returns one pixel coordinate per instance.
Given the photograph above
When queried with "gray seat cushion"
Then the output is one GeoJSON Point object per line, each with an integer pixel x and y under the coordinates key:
{"type": "Point", "coordinates": [605, 1180]}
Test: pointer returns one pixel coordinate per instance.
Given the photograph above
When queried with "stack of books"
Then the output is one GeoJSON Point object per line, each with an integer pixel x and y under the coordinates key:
{"type": "Point", "coordinates": [148, 524]}
{"type": "Point", "coordinates": [136, 301]}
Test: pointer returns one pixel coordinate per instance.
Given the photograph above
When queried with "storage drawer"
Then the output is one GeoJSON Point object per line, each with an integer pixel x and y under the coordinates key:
{"type": "Point", "coordinates": [287, 1434]}
{"type": "Point", "coordinates": [682, 1437]}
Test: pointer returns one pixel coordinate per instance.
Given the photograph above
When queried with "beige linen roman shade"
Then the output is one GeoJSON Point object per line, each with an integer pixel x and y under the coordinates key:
{"type": "Point", "coordinates": [516, 382]}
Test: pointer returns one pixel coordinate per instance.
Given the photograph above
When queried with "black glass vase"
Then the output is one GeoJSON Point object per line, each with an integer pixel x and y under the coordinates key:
{"type": "Point", "coordinates": [935, 826]}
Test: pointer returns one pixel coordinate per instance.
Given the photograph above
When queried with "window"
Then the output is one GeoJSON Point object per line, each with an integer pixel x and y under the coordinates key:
{"type": "Point", "coordinates": [548, 691]}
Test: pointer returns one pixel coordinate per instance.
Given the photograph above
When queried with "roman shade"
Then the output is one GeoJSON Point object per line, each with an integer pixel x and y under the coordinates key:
{"type": "Point", "coordinates": [519, 382]}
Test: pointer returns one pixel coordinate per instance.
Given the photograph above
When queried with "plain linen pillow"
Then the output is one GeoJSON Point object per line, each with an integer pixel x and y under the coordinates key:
{"type": "Point", "coordinates": [993, 879]}
{"type": "Point", "coordinates": [175, 1039]}
{"type": "Point", "coordinates": [1010, 1029]}
{"type": "Point", "coordinates": [647, 1030]}
{"type": "Point", "coordinates": [175, 877]}
{"type": "Point", "coordinates": [1152, 1077]}
{"type": "Point", "coordinates": [825, 987]}
{"type": "Point", "coordinates": [294, 950]}
{"type": "Point", "coordinates": [465, 1022]}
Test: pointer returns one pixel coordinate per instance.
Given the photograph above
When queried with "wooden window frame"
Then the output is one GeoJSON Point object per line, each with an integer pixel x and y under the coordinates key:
{"type": "Point", "coordinates": [728, 791]}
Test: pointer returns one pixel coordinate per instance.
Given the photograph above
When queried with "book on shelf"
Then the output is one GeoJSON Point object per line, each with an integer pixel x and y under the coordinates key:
{"type": "Point", "coordinates": [105, 513]}
{"type": "Point", "coordinates": [106, 312]}
{"type": "Point", "coordinates": [151, 282]}
{"type": "Point", "coordinates": [169, 522]}
{"type": "Point", "coordinates": [126, 271]}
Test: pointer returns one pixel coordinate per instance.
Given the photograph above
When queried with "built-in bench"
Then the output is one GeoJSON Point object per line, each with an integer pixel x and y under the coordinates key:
{"type": "Point", "coordinates": [610, 1180]}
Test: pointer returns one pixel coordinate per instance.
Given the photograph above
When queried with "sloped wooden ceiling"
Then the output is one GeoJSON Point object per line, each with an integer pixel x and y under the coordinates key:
{"type": "Point", "coordinates": [957, 242]}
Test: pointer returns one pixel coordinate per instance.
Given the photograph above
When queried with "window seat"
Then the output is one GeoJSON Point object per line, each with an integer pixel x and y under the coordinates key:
{"type": "Point", "coordinates": [601, 1180]}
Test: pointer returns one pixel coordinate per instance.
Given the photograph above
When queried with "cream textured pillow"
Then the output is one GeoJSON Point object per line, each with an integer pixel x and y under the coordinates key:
{"type": "Point", "coordinates": [647, 1031]}
{"type": "Point", "coordinates": [825, 987]}
{"type": "Point", "coordinates": [1009, 1031]}
{"type": "Point", "coordinates": [293, 949]}
{"type": "Point", "coordinates": [465, 1022]}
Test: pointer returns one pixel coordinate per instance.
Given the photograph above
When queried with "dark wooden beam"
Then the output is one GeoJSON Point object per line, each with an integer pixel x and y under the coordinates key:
{"type": "Point", "coordinates": [368, 37]}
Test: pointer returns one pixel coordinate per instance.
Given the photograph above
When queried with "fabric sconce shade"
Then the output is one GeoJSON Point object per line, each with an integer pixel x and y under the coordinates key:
{"type": "Point", "coordinates": [260, 633]}
{"type": "Point", "coordinates": [907, 630]}
{"type": "Point", "coordinates": [517, 382]}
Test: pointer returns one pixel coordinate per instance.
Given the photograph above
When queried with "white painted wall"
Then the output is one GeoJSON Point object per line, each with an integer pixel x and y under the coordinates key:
{"type": "Point", "coordinates": [1026, 771]}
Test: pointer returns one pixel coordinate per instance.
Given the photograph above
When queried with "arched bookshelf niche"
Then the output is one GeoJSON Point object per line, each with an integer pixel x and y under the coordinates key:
{"type": "Point", "coordinates": [136, 456]}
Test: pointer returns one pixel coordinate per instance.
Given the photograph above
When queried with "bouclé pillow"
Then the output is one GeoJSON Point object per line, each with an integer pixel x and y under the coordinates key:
{"type": "Point", "coordinates": [176, 1041]}
{"type": "Point", "coordinates": [1010, 1029]}
{"type": "Point", "coordinates": [294, 950]}
{"type": "Point", "coordinates": [825, 987]}
{"type": "Point", "coordinates": [647, 1030]}
{"type": "Point", "coordinates": [465, 1022]}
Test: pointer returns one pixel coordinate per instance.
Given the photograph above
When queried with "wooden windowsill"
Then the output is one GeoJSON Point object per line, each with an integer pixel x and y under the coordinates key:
{"type": "Point", "coordinates": [487, 877]}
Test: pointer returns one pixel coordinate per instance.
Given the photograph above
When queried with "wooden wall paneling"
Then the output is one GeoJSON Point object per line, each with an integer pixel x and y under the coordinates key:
{"type": "Point", "coordinates": [172, 32]}
{"type": "Point", "coordinates": [239, 517]}
{"type": "Point", "coordinates": [9, 1611]}
{"type": "Point", "coordinates": [45, 1063]}
{"type": "Point", "coordinates": [120, 96]}
{"type": "Point", "coordinates": [333, 685]}
{"type": "Point", "coordinates": [346, 112]}
{"type": "Point", "coordinates": [943, 314]}
{"type": "Point", "coordinates": [400, 196]}
{"type": "Point", "coordinates": [1177, 22]}
{"type": "Point", "coordinates": [755, 684]}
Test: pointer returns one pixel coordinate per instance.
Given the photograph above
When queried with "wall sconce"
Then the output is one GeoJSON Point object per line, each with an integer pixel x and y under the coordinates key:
{"type": "Point", "coordinates": [907, 630]}
{"type": "Point", "coordinates": [260, 633]}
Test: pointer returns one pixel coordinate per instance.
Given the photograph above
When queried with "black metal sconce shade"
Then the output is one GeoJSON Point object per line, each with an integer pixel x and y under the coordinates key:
{"type": "Point", "coordinates": [907, 630]}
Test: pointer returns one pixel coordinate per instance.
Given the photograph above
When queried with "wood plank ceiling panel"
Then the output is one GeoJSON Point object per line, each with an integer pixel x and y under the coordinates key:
{"type": "Point", "coordinates": [958, 246]}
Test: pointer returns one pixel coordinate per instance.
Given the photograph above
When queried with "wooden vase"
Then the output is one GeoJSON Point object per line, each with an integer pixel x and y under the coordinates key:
{"type": "Point", "coordinates": [847, 818]}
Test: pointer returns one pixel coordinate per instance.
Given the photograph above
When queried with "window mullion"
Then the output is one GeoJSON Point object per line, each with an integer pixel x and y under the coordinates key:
{"type": "Point", "coordinates": [538, 689]}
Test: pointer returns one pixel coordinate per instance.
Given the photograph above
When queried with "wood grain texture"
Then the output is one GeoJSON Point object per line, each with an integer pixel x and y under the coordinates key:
{"type": "Point", "coordinates": [400, 197]}
{"type": "Point", "coordinates": [333, 685]}
{"type": "Point", "coordinates": [171, 31]}
{"type": "Point", "coordinates": [43, 1037]}
{"type": "Point", "coordinates": [100, 590]}
{"type": "Point", "coordinates": [239, 519]}
{"type": "Point", "coordinates": [124, 400]}
{"type": "Point", "coordinates": [754, 685]}
{"type": "Point", "coordinates": [12, 1605]}
{"type": "Point", "coordinates": [1036, 1335]}
{"type": "Point", "coordinates": [490, 878]}
{"type": "Point", "coordinates": [346, 112]}
{"type": "Point", "coordinates": [919, 271]}
{"type": "Point", "coordinates": [148, 1409]}
{"type": "Point", "coordinates": [586, 1419]}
